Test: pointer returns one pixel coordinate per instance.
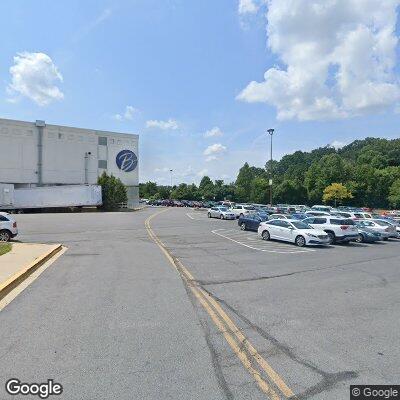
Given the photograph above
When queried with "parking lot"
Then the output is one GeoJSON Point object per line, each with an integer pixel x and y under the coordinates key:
{"type": "Point", "coordinates": [325, 317]}
{"type": "Point", "coordinates": [312, 321]}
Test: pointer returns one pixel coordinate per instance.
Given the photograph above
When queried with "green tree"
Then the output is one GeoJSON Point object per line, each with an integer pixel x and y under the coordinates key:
{"type": "Point", "coordinates": [147, 190]}
{"type": "Point", "coordinates": [259, 190]}
{"type": "Point", "coordinates": [329, 169]}
{"type": "Point", "coordinates": [394, 194]}
{"type": "Point", "coordinates": [290, 191]}
{"type": "Point", "coordinates": [113, 191]}
{"type": "Point", "coordinates": [244, 181]}
{"type": "Point", "coordinates": [206, 188]}
{"type": "Point", "coordinates": [336, 192]}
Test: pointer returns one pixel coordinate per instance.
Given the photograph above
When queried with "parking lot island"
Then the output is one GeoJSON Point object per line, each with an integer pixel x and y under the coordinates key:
{"type": "Point", "coordinates": [21, 261]}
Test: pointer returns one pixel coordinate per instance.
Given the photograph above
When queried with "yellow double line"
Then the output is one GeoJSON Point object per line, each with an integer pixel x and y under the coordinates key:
{"type": "Point", "coordinates": [240, 345]}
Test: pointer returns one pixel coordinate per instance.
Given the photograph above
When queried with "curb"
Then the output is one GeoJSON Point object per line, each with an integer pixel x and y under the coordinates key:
{"type": "Point", "coordinates": [24, 272]}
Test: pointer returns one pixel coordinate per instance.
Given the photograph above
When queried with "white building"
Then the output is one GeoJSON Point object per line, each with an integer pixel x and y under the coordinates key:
{"type": "Point", "coordinates": [38, 154]}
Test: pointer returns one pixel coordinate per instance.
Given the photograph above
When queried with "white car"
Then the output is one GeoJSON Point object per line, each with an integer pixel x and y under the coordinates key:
{"type": "Point", "coordinates": [8, 227]}
{"type": "Point", "coordinates": [279, 216]}
{"type": "Point", "coordinates": [241, 210]}
{"type": "Point", "coordinates": [326, 209]}
{"type": "Point", "coordinates": [339, 229]}
{"type": "Point", "coordinates": [317, 213]}
{"type": "Point", "coordinates": [354, 215]}
{"type": "Point", "coordinates": [220, 212]}
{"type": "Point", "coordinates": [293, 231]}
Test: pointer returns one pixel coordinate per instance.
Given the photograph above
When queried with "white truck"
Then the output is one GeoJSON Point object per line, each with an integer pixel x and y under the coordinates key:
{"type": "Point", "coordinates": [62, 196]}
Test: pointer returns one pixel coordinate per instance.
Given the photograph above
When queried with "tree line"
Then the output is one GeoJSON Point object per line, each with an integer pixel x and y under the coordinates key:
{"type": "Point", "coordinates": [363, 173]}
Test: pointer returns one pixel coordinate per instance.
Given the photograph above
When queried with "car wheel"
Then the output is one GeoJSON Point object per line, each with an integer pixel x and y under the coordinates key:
{"type": "Point", "coordinates": [385, 239]}
{"type": "Point", "coordinates": [332, 237]}
{"type": "Point", "coordinates": [300, 241]}
{"type": "Point", "coordinates": [360, 238]}
{"type": "Point", "coordinates": [221, 216]}
{"type": "Point", "coordinates": [243, 226]}
{"type": "Point", "coordinates": [209, 215]}
{"type": "Point", "coordinates": [265, 235]}
{"type": "Point", "coordinates": [5, 236]}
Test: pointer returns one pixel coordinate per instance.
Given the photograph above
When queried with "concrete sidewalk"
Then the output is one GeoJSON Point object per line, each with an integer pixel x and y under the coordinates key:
{"type": "Point", "coordinates": [22, 258]}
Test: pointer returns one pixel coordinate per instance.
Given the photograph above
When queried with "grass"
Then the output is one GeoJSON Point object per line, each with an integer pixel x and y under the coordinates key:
{"type": "Point", "coordinates": [5, 248]}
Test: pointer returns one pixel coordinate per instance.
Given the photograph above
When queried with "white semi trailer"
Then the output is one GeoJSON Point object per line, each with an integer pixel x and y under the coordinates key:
{"type": "Point", "coordinates": [62, 196]}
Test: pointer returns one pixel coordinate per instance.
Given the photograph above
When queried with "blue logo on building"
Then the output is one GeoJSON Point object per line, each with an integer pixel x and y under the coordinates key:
{"type": "Point", "coordinates": [126, 160]}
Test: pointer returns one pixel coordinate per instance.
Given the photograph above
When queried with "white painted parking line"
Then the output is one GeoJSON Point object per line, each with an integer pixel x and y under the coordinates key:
{"type": "Point", "coordinates": [196, 217]}
{"type": "Point", "coordinates": [257, 243]}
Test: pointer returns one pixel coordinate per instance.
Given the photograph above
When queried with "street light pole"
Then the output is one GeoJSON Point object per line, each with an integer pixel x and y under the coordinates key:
{"type": "Point", "coordinates": [170, 171]}
{"type": "Point", "coordinates": [270, 132]}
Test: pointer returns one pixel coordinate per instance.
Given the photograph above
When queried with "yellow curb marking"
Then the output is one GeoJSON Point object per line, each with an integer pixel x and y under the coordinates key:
{"type": "Point", "coordinates": [218, 315]}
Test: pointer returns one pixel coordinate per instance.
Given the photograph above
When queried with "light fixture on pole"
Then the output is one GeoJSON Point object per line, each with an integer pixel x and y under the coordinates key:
{"type": "Point", "coordinates": [270, 132]}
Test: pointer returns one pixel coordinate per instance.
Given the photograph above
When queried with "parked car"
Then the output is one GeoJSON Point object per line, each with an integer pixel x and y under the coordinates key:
{"type": "Point", "coordinates": [242, 209]}
{"type": "Point", "coordinates": [353, 215]}
{"type": "Point", "coordinates": [367, 235]}
{"type": "Point", "coordinates": [339, 230]}
{"type": "Point", "coordinates": [326, 209]}
{"type": "Point", "coordinates": [299, 216]}
{"type": "Point", "coordinates": [386, 231]}
{"type": "Point", "coordinates": [391, 221]}
{"type": "Point", "coordinates": [251, 222]}
{"type": "Point", "coordinates": [392, 224]}
{"type": "Point", "coordinates": [8, 227]}
{"type": "Point", "coordinates": [221, 213]}
{"type": "Point", "coordinates": [317, 213]}
{"type": "Point", "coordinates": [293, 231]}
{"type": "Point", "coordinates": [301, 208]}
{"type": "Point", "coordinates": [279, 216]}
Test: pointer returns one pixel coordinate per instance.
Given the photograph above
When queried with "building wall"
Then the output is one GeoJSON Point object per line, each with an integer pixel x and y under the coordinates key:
{"type": "Point", "coordinates": [66, 158]}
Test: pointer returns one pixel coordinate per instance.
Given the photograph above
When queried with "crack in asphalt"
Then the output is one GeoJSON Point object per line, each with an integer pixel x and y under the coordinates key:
{"type": "Point", "coordinates": [328, 380]}
{"type": "Point", "coordinates": [266, 277]}
{"type": "Point", "coordinates": [215, 360]}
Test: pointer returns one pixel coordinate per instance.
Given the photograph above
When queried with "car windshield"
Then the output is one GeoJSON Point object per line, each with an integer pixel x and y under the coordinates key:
{"type": "Point", "coordinates": [383, 223]}
{"type": "Point", "coordinates": [365, 223]}
{"type": "Point", "coordinates": [301, 225]}
{"type": "Point", "coordinates": [249, 208]}
{"type": "Point", "coordinates": [222, 209]}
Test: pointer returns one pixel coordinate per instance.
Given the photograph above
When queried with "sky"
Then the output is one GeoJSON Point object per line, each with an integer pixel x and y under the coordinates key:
{"type": "Point", "coordinates": [202, 81]}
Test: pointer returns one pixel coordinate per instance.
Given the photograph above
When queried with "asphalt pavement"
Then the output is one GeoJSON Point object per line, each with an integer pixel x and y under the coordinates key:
{"type": "Point", "coordinates": [112, 318]}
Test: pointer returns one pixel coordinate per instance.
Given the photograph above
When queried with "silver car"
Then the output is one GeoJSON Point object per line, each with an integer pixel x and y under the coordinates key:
{"type": "Point", "coordinates": [221, 213]}
{"type": "Point", "coordinates": [385, 229]}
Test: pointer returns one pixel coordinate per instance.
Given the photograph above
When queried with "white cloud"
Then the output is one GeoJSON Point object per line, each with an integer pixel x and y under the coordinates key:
{"type": "Point", "coordinates": [339, 57]}
{"type": "Point", "coordinates": [213, 132]}
{"type": "Point", "coordinates": [105, 14]}
{"type": "Point", "coordinates": [35, 76]}
{"type": "Point", "coordinates": [247, 7]}
{"type": "Point", "coordinates": [213, 151]}
{"type": "Point", "coordinates": [127, 115]}
{"type": "Point", "coordinates": [165, 169]}
{"type": "Point", "coordinates": [164, 125]}
{"type": "Point", "coordinates": [215, 148]}
{"type": "Point", "coordinates": [91, 25]}
{"type": "Point", "coordinates": [337, 144]}
{"type": "Point", "coordinates": [202, 173]}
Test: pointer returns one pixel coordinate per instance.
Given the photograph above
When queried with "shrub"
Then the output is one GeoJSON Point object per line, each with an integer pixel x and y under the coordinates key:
{"type": "Point", "coordinates": [113, 191]}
